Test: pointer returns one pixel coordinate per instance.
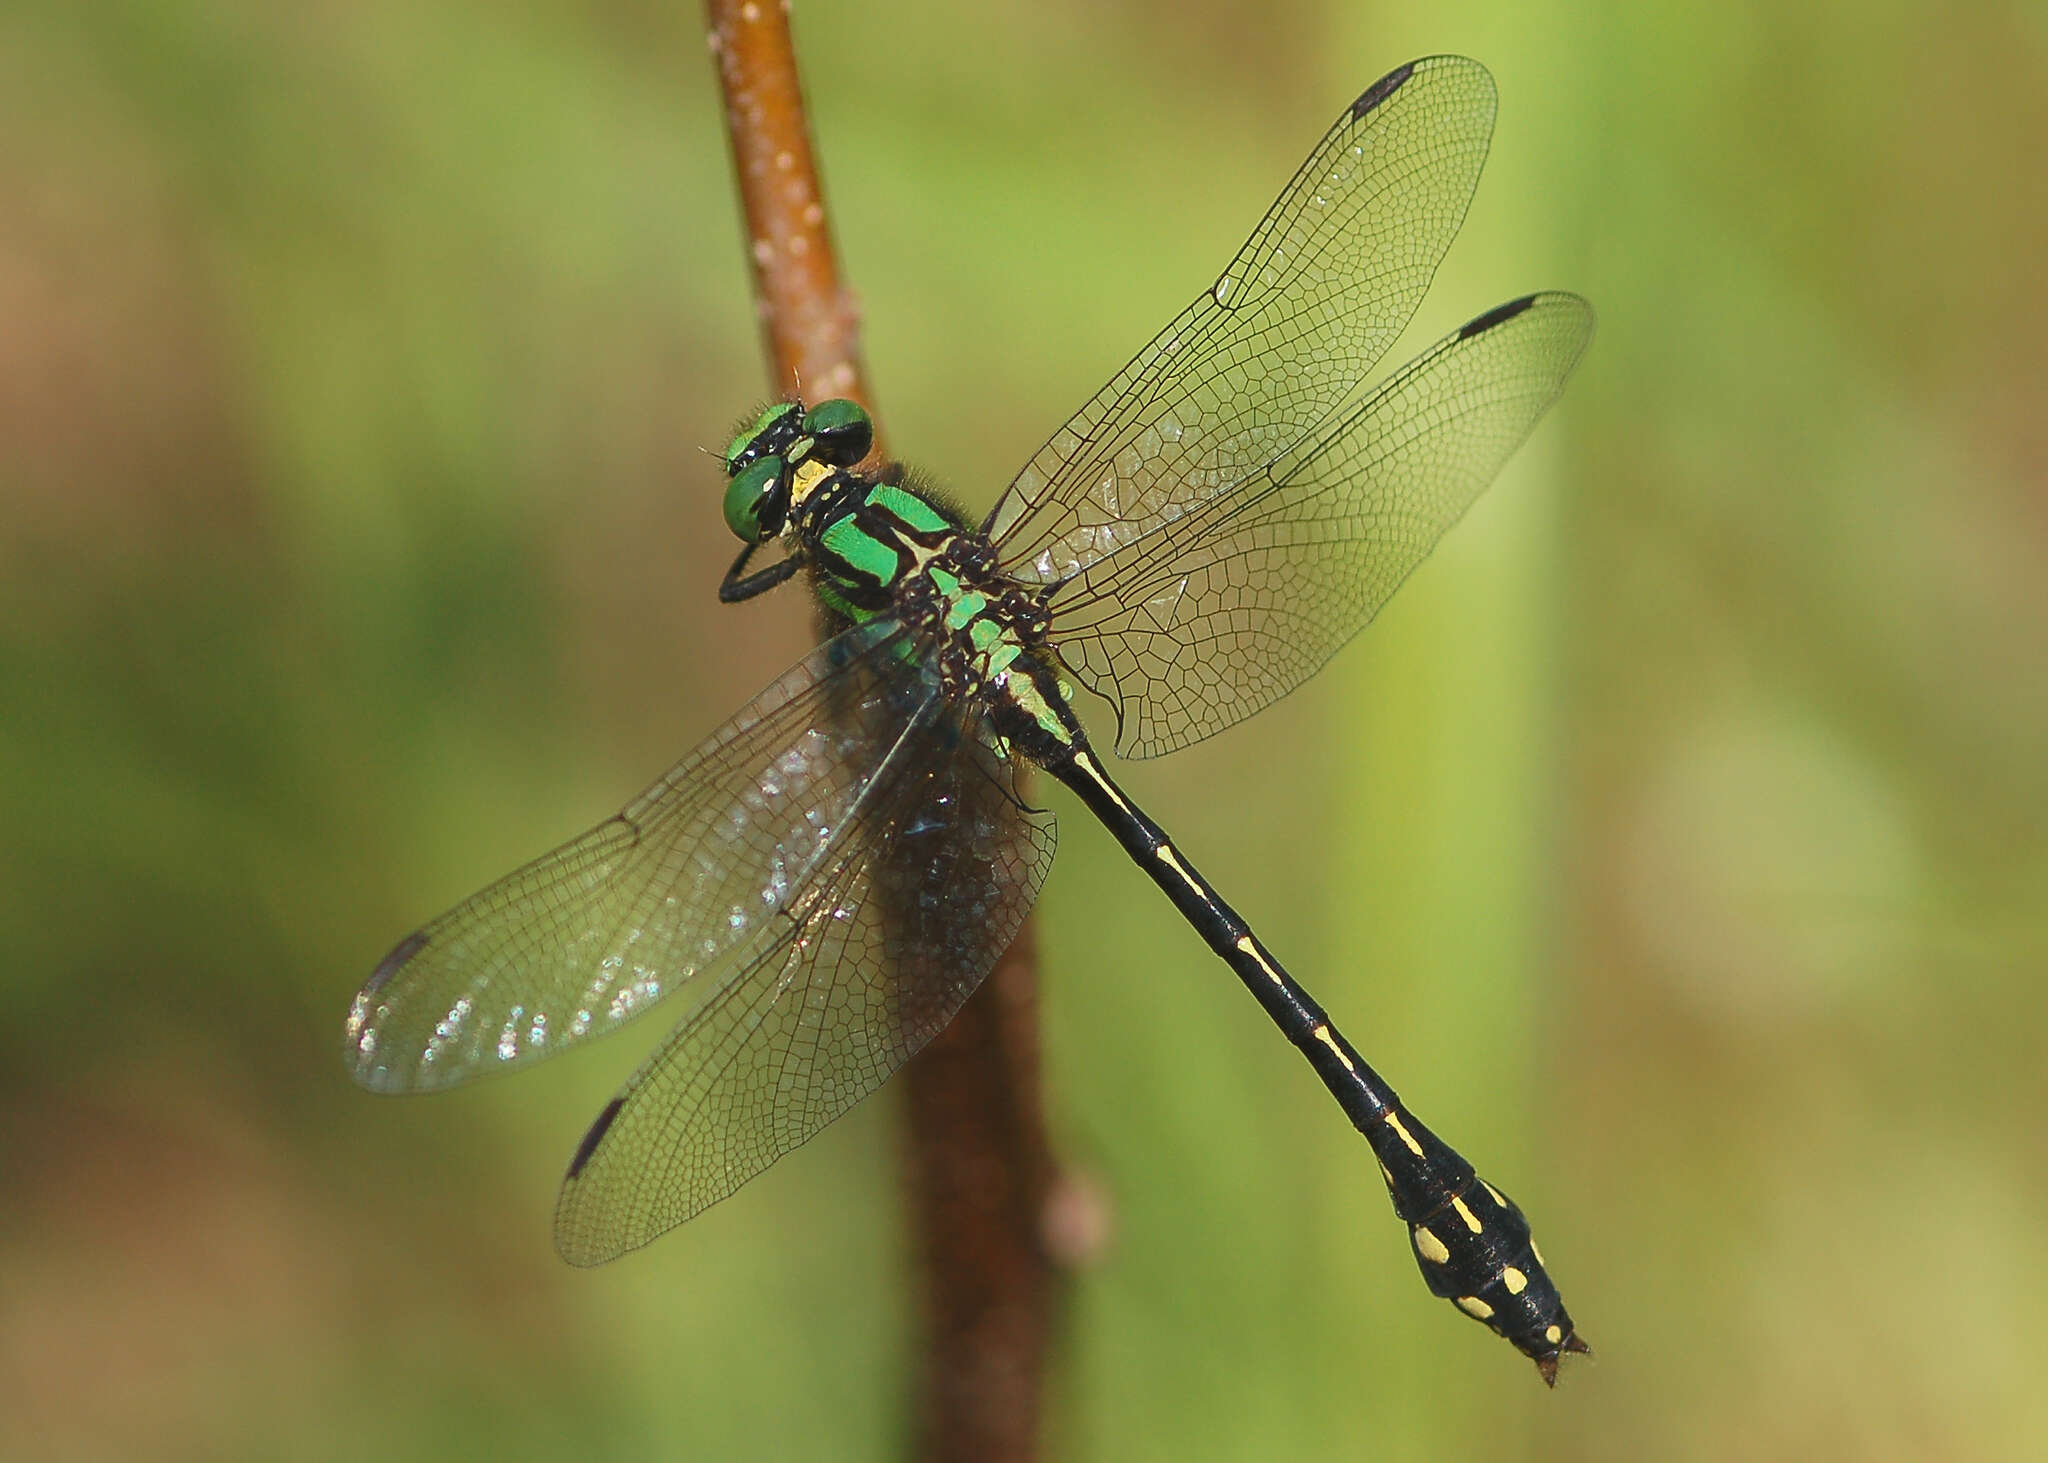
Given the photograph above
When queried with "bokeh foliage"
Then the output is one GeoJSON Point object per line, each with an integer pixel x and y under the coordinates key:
{"type": "Point", "coordinates": [1676, 842]}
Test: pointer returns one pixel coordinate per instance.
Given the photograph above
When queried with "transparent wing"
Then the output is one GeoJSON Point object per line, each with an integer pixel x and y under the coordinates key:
{"type": "Point", "coordinates": [1229, 607]}
{"type": "Point", "coordinates": [869, 964]}
{"type": "Point", "coordinates": [1315, 297]}
{"type": "Point", "coordinates": [680, 887]}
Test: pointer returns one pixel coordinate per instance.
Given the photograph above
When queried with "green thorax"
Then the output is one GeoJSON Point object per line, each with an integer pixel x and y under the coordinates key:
{"type": "Point", "coordinates": [887, 549]}
{"type": "Point", "coordinates": [877, 548]}
{"type": "Point", "coordinates": [867, 548]}
{"type": "Point", "coordinates": [869, 544]}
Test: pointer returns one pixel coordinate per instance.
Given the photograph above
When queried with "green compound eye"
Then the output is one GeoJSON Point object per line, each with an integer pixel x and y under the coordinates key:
{"type": "Point", "coordinates": [747, 495]}
{"type": "Point", "coordinates": [843, 431]}
{"type": "Point", "coordinates": [766, 431]}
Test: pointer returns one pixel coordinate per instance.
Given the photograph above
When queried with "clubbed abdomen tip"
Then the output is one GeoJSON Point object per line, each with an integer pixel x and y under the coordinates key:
{"type": "Point", "coordinates": [1546, 1365]}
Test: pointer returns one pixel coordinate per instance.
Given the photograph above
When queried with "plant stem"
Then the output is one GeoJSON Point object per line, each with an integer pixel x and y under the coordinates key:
{"type": "Point", "coordinates": [979, 1172]}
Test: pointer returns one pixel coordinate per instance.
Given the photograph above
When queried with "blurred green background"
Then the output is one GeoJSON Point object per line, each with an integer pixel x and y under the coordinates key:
{"type": "Point", "coordinates": [1675, 842]}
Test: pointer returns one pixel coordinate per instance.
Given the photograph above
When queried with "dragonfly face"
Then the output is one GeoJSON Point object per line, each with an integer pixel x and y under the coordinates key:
{"type": "Point", "coordinates": [787, 447]}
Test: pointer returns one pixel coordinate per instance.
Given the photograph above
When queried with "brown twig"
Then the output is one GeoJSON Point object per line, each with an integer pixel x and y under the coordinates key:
{"type": "Point", "coordinates": [979, 1175]}
{"type": "Point", "coordinates": [809, 325]}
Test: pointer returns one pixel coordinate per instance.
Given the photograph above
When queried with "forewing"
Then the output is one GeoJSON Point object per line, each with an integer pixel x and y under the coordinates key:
{"type": "Point", "coordinates": [871, 962]}
{"type": "Point", "coordinates": [680, 887]}
{"type": "Point", "coordinates": [1229, 607]}
{"type": "Point", "coordinates": [1315, 297]}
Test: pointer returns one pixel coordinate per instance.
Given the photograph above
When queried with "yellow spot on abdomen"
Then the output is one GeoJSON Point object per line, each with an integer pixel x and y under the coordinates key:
{"type": "Point", "coordinates": [1244, 943]}
{"type": "Point", "coordinates": [1429, 1246]}
{"type": "Point", "coordinates": [1087, 764]}
{"type": "Point", "coordinates": [1476, 1308]}
{"type": "Point", "coordinates": [1323, 1036]}
{"type": "Point", "coordinates": [1465, 1213]}
{"type": "Point", "coordinates": [1553, 1334]}
{"type": "Point", "coordinates": [1165, 854]}
{"type": "Point", "coordinates": [1394, 1122]}
{"type": "Point", "coordinates": [1515, 1280]}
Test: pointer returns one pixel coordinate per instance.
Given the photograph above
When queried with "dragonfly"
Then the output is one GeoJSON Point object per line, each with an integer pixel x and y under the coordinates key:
{"type": "Point", "coordinates": [819, 886]}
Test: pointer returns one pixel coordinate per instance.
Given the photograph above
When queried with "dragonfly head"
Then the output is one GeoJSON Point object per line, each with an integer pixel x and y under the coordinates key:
{"type": "Point", "coordinates": [763, 459]}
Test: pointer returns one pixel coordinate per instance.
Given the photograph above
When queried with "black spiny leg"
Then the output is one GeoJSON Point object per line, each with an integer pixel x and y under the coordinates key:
{"type": "Point", "coordinates": [734, 587]}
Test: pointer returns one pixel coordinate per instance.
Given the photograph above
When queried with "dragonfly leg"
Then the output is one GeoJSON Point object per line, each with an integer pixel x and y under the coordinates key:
{"type": "Point", "coordinates": [738, 585]}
